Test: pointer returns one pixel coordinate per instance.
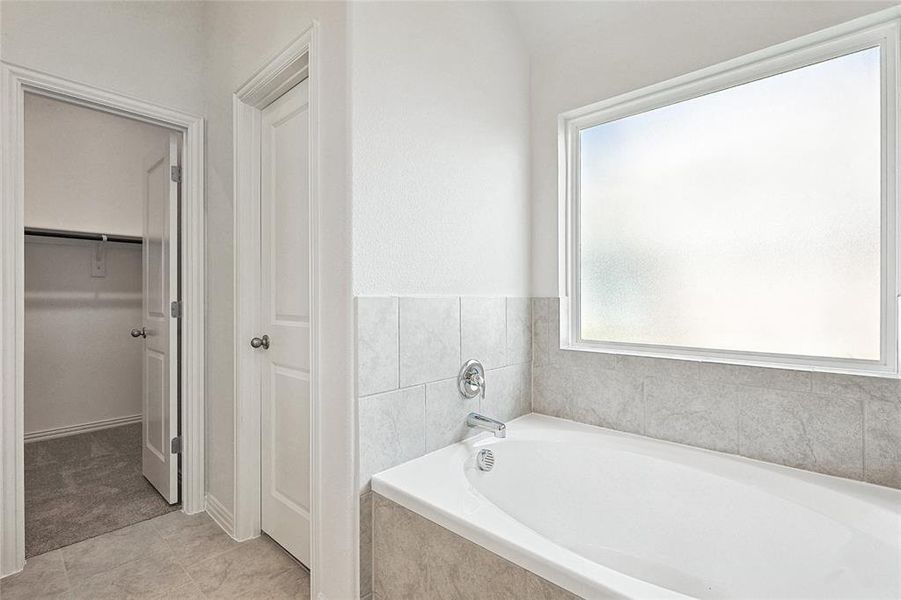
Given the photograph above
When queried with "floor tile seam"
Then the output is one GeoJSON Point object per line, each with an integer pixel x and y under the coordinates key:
{"type": "Point", "coordinates": [62, 560]}
{"type": "Point", "coordinates": [195, 582]}
{"type": "Point", "coordinates": [118, 566]}
{"type": "Point", "coordinates": [210, 557]}
{"type": "Point", "coordinates": [86, 580]}
{"type": "Point", "coordinates": [207, 557]}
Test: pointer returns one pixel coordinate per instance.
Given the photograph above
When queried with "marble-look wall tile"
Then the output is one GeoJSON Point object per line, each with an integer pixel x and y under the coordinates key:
{"type": "Point", "coordinates": [809, 420]}
{"type": "Point", "coordinates": [429, 339]}
{"type": "Point", "coordinates": [483, 331]}
{"type": "Point", "coordinates": [608, 398]}
{"type": "Point", "coordinates": [519, 330]}
{"type": "Point", "coordinates": [776, 379]}
{"type": "Point", "coordinates": [541, 341]}
{"type": "Point", "coordinates": [552, 391]}
{"type": "Point", "coordinates": [416, 407]}
{"type": "Point", "coordinates": [526, 383]}
{"type": "Point", "coordinates": [689, 413]}
{"type": "Point", "coordinates": [416, 558]}
{"type": "Point", "coordinates": [377, 345]}
{"type": "Point", "coordinates": [399, 551]}
{"type": "Point", "coordinates": [577, 360]}
{"type": "Point", "coordinates": [857, 388]}
{"type": "Point", "coordinates": [366, 544]}
{"type": "Point", "coordinates": [445, 411]}
{"type": "Point", "coordinates": [882, 458]}
{"type": "Point", "coordinates": [504, 398]}
{"type": "Point", "coordinates": [803, 430]}
{"type": "Point", "coordinates": [392, 430]}
{"type": "Point", "coordinates": [647, 366]}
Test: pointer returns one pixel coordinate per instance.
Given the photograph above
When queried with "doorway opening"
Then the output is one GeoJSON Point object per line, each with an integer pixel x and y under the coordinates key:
{"type": "Point", "coordinates": [101, 346]}
{"type": "Point", "coordinates": [277, 477]}
{"type": "Point", "coordinates": [101, 415]}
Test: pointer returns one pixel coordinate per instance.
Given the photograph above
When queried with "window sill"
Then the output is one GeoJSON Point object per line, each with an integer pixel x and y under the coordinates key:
{"type": "Point", "coordinates": [745, 359]}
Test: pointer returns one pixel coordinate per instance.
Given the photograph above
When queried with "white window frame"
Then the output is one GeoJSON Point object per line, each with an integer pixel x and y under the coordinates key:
{"type": "Point", "coordinates": [880, 29]}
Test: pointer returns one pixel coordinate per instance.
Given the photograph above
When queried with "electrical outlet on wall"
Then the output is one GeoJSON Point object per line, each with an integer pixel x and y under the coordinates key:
{"type": "Point", "coordinates": [98, 260]}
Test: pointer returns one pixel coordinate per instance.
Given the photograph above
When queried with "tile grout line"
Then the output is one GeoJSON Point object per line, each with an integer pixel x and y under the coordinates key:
{"type": "Point", "coordinates": [69, 585]}
{"type": "Point", "coordinates": [531, 357]}
{"type": "Point", "coordinates": [506, 332]}
{"type": "Point", "coordinates": [863, 439]}
{"type": "Point", "coordinates": [460, 330]}
{"type": "Point", "coordinates": [397, 335]}
{"type": "Point", "coordinates": [237, 545]}
{"type": "Point", "coordinates": [180, 562]}
{"type": "Point", "coordinates": [191, 577]}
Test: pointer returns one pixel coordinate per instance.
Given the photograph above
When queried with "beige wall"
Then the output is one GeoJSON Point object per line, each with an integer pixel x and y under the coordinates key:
{"type": "Point", "coordinates": [84, 169]}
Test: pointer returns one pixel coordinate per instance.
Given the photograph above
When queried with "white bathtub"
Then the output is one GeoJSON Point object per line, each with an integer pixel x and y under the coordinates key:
{"type": "Point", "coordinates": [605, 514]}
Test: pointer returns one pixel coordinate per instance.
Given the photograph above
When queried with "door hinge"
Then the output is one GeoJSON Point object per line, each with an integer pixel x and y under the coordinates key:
{"type": "Point", "coordinates": [176, 445]}
{"type": "Point", "coordinates": [175, 174]}
{"type": "Point", "coordinates": [175, 309]}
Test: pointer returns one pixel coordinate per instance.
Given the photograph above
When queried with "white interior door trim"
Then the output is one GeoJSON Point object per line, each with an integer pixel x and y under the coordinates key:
{"type": "Point", "coordinates": [14, 82]}
{"type": "Point", "coordinates": [297, 62]}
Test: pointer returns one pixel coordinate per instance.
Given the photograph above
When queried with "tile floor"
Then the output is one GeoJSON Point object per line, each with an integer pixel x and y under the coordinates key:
{"type": "Point", "coordinates": [174, 556]}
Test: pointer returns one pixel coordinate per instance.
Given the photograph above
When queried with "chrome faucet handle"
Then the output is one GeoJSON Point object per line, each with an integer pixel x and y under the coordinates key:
{"type": "Point", "coordinates": [478, 381]}
{"type": "Point", "coordinates": [471, 380]}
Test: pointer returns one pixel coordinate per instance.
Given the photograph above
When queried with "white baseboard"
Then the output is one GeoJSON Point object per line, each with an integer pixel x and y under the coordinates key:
{"type": "Point", "coordinates": [223, 517]}
{"type": "Point", "coordinates": [57, 432]}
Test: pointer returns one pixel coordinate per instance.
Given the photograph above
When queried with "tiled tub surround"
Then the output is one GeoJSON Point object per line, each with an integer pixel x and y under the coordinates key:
{"type": "Point", "coordinates": [416, 558]}
{"type": "Point", "coordinates": [409, 353]}
{"type": "Point", "coordinates": [836, 424]}
{"type": "Point", "coordinates": [606, 514]}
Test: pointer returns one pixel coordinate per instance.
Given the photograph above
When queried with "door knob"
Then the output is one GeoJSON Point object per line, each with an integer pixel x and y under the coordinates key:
{"type": "Point", "coordinates": [262, 342]}
{"type": "Point", "coordinates": [139, 332]}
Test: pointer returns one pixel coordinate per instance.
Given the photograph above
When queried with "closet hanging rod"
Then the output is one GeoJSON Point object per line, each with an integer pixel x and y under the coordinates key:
{"type": "Point", "coordinates": [82, 235]}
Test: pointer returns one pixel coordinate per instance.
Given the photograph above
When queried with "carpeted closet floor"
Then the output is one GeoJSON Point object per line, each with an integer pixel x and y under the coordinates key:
{"type": "Point", "coordinates": [81, 486]}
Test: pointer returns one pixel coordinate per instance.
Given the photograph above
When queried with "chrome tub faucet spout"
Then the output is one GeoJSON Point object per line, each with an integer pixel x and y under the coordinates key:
{"type": "Point", "coordinates": [498, 429]}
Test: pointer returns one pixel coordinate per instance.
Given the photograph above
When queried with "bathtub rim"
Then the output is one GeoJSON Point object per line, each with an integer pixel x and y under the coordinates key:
{"type": "Point", "coordinates": [490, 528]}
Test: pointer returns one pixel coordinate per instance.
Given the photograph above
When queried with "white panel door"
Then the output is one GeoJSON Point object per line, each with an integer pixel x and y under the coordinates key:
{"type": "Point", "coordinates": [160, 265]}
{"type": "Point", "coordinates": [285, 303]}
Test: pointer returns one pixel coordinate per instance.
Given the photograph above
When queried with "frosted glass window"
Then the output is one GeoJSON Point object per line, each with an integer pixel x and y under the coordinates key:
{"type": "Point", "coordinates": [747, 219]}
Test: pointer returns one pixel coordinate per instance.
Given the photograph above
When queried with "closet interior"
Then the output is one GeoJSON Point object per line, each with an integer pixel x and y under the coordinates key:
{"type": "Point", "coordinates": [86, 243]}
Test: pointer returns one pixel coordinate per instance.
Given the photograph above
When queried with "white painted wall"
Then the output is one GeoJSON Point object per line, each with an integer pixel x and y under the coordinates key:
{"type": "Point", "coordinates": [440, 149]}
{"type": "Point", "coordinates": [81, 364]}
{"type": "Point", "coordinates": [241, 37]}
{"type": "Point", "coordinates": [84, 169]}
{"type": "Point", "coordinates": [150, 50]}
{"type": "Point", "coordinates": [193, 56]}
{"type": "Point", "coordinates": [585, 52]}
